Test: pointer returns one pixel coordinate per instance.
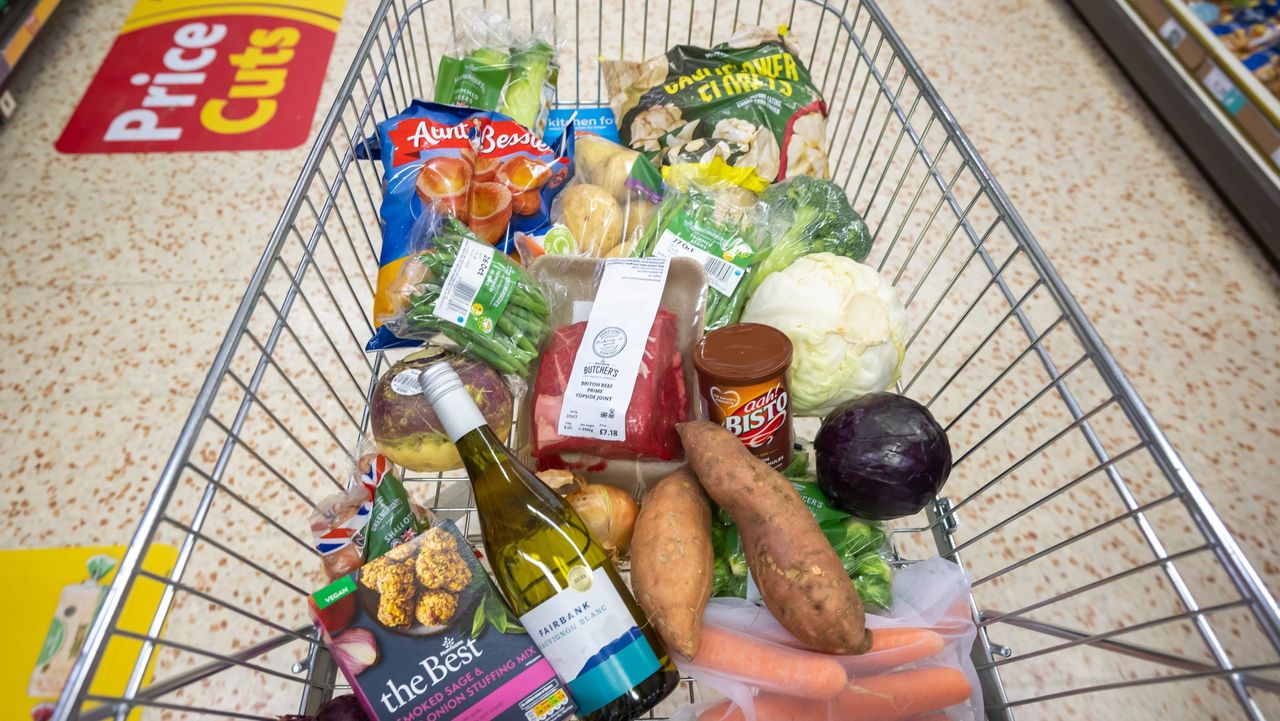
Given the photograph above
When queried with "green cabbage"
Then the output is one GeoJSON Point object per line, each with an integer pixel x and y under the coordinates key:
{"type": "Point", "coordinates": [846, 324]}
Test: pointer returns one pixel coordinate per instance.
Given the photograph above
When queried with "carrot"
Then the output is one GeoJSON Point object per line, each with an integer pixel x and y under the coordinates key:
{"type": "Point", "coordinates": [770, 707]}
{"type": "Point", "coordinates": [892, 647]}
{"type": "Point", "coordinates": [938, 716]}
{"type": "Point", "coordinates": [770, 667]}
{"type": "Point", "coordinates": [901, 695]}
{"type": "Point", "coordinates": [890, 697]}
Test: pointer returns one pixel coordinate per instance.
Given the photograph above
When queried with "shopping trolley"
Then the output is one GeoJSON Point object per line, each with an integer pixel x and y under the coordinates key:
{"type": "Point", "coordinates": [1104, 584]}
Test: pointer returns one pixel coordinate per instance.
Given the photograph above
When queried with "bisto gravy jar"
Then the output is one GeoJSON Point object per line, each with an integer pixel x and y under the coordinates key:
{"type": "Point", "coordinates": [742, 373]}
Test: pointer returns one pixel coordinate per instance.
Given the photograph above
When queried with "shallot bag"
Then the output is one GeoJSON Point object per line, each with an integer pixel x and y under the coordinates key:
{"type": "Point", "coordinates": [918, 663]}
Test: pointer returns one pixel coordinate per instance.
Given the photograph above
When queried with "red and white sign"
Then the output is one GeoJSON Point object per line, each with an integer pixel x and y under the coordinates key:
{"type": "Point", "coordinates": [187, 75]}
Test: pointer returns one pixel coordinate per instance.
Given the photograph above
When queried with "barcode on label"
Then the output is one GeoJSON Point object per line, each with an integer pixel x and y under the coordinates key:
{"type": "Point", "coordinates": [463, 282]}
{"type": "Point", "coordinates": [722, 275]}
{"type": "Point", "coordinates": [460, 299]}
{"type": "Point", "coordinates": [720, 270]}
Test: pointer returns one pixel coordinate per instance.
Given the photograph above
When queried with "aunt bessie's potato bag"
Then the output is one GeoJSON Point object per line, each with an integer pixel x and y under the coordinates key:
{"type": "Point", "coordinates": [492, 173]}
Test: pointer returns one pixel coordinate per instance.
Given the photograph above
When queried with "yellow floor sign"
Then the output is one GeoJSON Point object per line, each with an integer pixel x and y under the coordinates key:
{"type": "Point", "coordinates": [49, 612]}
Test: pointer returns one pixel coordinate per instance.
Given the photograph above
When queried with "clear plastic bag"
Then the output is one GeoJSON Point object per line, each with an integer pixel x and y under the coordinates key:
{"type": "Point", "coordinates": [746, 108]}
{"type": "Point", "coordinates": [660, 372]}
{"type": "Point", "coordinates": [475, 296]}
{"type": "Point", "coordinates": [492, 66]}
{"type": "Point", "coordinates": [340, 523]}
{"type": "Point", "coordinates": [918, 663]}
{"type": "Point", "coordinates": [804, 215]}
{"type": "Point", "coordinates": [604, 210]}
{"type": "Point", "coordinates": [712, 224]}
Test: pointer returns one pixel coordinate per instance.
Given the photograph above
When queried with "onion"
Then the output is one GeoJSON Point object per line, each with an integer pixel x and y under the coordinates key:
{"type": "Point", "coordinates": [339, 708]}
{"type": "Point", "coordinates": [609, 512]}
{"type": "Point", "coordinates": [355, 649]}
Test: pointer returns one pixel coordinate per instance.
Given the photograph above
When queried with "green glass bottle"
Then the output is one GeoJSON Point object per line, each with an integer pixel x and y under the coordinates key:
{"type": "Point", "coordinates": [554, 573]}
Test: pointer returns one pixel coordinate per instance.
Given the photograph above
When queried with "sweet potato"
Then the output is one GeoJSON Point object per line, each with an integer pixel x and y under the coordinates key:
{"type": "Point", "coordinates": [797, 571]}
{"type": "Point", "coordinates": [671, 558]}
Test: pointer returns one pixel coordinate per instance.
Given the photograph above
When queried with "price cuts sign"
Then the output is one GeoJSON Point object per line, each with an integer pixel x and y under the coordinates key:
{"type": "Point", "coordinates": [188, 75]}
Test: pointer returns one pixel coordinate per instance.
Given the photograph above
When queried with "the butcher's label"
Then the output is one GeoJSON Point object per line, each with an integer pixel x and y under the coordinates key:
{"type": "Point", "coordinates": [608, 360]}
{"type": "Point", "coordinates": [189, 75]}
{"type": "Point", "coordinates": [723, 255]}
{"type": "Point", "coordinates": [477, 289]}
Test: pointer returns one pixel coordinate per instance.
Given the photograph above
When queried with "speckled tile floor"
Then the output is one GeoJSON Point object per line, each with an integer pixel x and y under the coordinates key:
{"type": "Point", "coordinates": [121, 274]}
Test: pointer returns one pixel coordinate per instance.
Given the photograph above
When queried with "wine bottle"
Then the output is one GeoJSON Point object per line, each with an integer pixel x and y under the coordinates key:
{"type": "Point", "coordinates": [555, 574]}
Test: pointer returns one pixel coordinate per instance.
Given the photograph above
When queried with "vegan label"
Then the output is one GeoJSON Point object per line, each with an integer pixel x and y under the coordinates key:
{"type": "Point", "coordinates": [608, 360]}
{"type": "Point", "coordinates": [334, 592]}
{"type": "Point", "coordinates": [591, 640]}
{"type": "Point", "coordinates": [723, 255]}
{"type": "Point", "coordinates": [477, 289]}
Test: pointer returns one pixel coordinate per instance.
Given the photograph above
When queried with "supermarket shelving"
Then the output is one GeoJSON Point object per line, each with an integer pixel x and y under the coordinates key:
{"type": "Point", "coordinates": [1227, 120]}
{"type": "Point", "coordinates": [20, 22]}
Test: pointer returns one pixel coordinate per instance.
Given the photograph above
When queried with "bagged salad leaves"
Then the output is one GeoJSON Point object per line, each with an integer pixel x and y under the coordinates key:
{"type": "Point", "coordinates": [745, 110]}
{"type": "Point", "coordinates": [492, 174]}
{"type": "Point", "coordinates": [605, 209]}
{"type": "Point", "coordinates": [492, 66]}
{"type": "Point", "coordinates": [474, 295]}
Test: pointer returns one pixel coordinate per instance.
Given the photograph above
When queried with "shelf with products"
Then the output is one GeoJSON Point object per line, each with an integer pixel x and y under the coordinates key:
{"type": "Point", "coordinates": [1224, 115]}
{"type": "Point", "coordinates": [20, 22]}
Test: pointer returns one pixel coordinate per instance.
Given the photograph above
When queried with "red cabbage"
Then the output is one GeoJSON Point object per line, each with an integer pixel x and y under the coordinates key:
{"type": "Point", "coordinates": [881, 456]}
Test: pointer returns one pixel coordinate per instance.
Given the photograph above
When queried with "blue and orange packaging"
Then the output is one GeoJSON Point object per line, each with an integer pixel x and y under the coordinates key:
{"type": "Point", "coordinates": [492, 173]}
{"type": "Point", "coordinates": [422, 633]}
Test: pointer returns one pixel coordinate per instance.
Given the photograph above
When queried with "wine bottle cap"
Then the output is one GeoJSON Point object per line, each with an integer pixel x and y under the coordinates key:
{"type": "Point", "coordinates": [448, 396]}
{"type": "Point", "coordinates": [438, 379]}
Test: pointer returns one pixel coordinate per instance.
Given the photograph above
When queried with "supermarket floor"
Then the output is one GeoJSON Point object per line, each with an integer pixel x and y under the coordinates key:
{"type": "Point", "coordinates": [120, 273]}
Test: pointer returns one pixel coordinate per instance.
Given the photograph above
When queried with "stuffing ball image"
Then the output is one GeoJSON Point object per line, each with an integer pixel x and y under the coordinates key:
{"type": "Point", "coordinates": [435, 608]}
{"type": "Point", "coordinates": [442, 571]}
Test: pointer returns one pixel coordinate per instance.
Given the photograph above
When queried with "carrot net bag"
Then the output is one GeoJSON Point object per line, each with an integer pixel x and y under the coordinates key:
{"type": "Point", "coordinates": [918, 667]}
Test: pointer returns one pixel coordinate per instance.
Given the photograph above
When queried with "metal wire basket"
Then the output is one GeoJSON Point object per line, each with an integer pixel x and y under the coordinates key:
{"type": "Point", "coordinates": [1104, 584]}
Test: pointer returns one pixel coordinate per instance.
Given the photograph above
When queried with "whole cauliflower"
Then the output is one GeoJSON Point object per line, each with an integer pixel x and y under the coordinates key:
{"type": "Point", "coordinates": [846, 324]}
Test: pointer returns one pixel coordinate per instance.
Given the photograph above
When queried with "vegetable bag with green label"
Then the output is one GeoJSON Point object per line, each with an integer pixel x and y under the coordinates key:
{"type": "Point", "coordinates": [493, 66]}
{"type": "Point", "coordinates": [474, 295]}
{"type": "Point", "coordinates": [713, 227]}
{"type": "Point", "coordinates": [746, 110]}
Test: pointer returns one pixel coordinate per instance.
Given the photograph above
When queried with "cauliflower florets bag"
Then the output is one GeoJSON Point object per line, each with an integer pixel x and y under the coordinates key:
{"type": "Point", "coordinates": [745, 109]}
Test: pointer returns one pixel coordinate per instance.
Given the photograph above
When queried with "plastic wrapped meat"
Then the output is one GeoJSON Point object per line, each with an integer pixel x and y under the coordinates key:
{"type": "Point", "coordinates": [658, 402]}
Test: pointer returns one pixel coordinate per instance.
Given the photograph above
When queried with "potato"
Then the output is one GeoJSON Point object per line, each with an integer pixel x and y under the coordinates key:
{"type": "Point", "coordinates": [594, 218]}
{"type": "Point", "coordinates": [590, 153]}
{"type": "Point", "coordinates": [612, 176]}
{"type": "Point", "coordinates": [671, 559]}
{"type": "Point", "coordinates": [797, 571]}
{"type": "Point", "coordinates": [621, 250]}
{"type": "Point", "coordinates": [604, 163]}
